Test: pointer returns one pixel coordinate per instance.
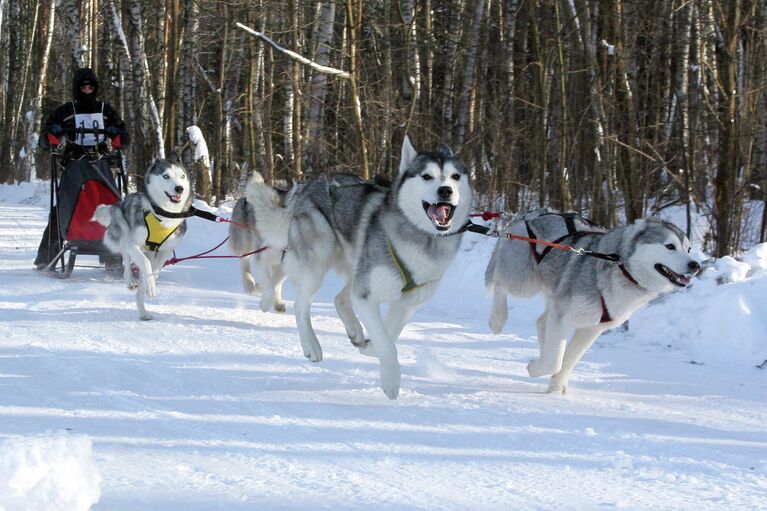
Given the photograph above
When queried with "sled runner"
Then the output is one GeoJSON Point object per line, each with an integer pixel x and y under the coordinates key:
{"type": "Point", "coordinates": [81, 179]}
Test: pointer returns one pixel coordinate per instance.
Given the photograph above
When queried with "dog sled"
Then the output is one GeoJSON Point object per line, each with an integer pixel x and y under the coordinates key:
{"type": "Point", "coordinates": [82, 178]}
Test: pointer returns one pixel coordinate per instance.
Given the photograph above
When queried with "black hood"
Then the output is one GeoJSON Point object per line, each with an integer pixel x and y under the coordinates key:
{"type": "Point", "coordinates": [82, 76]}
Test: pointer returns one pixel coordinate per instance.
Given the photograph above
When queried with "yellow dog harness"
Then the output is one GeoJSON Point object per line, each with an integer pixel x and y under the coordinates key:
{"type": "Point", "coordinates": [157, 232]}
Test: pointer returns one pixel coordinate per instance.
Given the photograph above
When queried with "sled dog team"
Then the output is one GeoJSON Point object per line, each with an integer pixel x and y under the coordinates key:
{"type": "Point", "coordinates": [393, 243]}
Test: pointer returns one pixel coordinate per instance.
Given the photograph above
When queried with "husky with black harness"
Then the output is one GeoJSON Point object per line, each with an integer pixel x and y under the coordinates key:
{"type": "Point", "coordinates": [392, 244]}
{"type": "Point", "coordinates": [594, 284]}
{"type": "Point", "coordinates": [146, 227]}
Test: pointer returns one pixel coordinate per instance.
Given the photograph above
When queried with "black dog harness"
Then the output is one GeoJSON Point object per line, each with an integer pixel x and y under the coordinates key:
{"type": "Point", "coordinates": [575, 234]}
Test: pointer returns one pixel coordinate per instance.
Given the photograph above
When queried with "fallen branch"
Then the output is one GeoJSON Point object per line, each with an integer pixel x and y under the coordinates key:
{"type": "Point", "coordinates": [295, 56]}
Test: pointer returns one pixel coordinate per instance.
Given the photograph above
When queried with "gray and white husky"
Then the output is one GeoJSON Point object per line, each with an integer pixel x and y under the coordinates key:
{"type": "Point", "coordinates": [145, 227]}
{"type": "Point", "coordinates": [391, 244]}
{"type": "Point", "coordinates": [584, 295]}
{"type": "Point", "coordinates": [267, 263]}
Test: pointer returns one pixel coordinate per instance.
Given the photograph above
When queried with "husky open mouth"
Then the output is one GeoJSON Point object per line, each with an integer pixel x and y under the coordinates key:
{"type": "Point", "coordinates": [672, 276]}
{"type": "Point", "coordinates": [174, 198]}
{"type": "Point", "coordinates": [441, 213]}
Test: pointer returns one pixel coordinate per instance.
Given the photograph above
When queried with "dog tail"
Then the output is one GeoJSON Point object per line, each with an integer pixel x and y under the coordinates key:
{"type": "Point", "coordinates": [272, 218]}
{"type": "Point", "coordinates": [103, 215]}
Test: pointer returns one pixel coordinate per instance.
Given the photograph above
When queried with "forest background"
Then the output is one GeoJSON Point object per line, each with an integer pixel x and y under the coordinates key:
{"type": "Point", "coordinates": [614, 108]}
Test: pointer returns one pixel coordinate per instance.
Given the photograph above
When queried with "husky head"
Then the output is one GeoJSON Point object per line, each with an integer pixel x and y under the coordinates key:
{"type": "Point", "coordinates": [660, 256]}
{"type": "Point", "coordinates": [433, 190]}
{"type": "Point", "coordinates": [167, 186]}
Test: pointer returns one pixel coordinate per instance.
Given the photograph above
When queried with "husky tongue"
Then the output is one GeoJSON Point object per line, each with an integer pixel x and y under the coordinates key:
{"type": "Point", "coordinates": [439, 212]}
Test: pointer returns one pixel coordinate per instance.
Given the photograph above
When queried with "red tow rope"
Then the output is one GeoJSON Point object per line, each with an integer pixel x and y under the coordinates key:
{"type": "Point", "coordinates": [204, 255]}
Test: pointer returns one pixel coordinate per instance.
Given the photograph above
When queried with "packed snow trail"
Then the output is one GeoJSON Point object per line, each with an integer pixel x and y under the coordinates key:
{"type": "Point", "coordinates": [212, 405]}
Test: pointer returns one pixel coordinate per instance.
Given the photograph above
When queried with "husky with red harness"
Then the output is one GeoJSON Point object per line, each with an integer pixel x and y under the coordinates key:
{"type": "Point", "coordinates": [592, 279]}
{"type": "Point", "coordinates": [146, 227]}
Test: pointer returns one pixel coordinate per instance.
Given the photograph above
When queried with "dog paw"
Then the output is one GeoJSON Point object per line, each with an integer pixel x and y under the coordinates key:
{"type": "Point", "coordinates": [366, 348]}
{"type": "Point", "coordinates": [556, 388]}
{"type": "Point", "coordinates": [313, 352]}
{"type": "Point", "coordinates": [145, 316]}
{"type": "Point", "coordinates": [391, 377]}
{"type": "Point", "coordinates": [537, 368]}
{"type": "Point", "coordinates": [496, 325]}
{"type": "Point", "coordinates": [557, 385]}
{"type": "Point", "coordinates": [265, 305]}
{"type": "Point", "coordinates": [250, 286]}
{"type": "Point", "coordinates": [280, 307]}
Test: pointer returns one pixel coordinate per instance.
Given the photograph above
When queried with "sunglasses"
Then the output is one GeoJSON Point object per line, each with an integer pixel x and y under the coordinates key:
{"type": "Point", "coordinates": [86, 86]}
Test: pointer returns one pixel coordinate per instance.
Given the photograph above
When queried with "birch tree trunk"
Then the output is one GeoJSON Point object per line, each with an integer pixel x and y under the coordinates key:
{"type": "Point", "coordinates": [411, 81]}
{"type": "Point", "coordinates": [468, 71]}
{"type": "Point", "coordinates": [634, 207]}
{"type": "Point", "coordinates": [682, 78]}
{"type": "Point", "coordinates": [72, 8]}
{"type": "Point", "coordinates": [315, 124]}
{"type": "Point", "coordinates": [130, 112]}
{"type": "Point", "coordinates": [12, 73]}
{"type": "Point", "coordinates": [21, 101]}
{"type": "Point", "coordinates": [141, 75]}
{"type": "Point", "coordinates": [451, 57]}
{"type": "Point", "coordinates": [33, 127]}
{"type": "Point", "coordinates": [729, 158]}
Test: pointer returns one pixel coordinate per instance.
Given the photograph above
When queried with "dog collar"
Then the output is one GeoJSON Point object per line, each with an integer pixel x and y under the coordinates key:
{"type": "Point", "coordinates": [192, 211]}
{"type": "Point", "coordinates": [628, 275]}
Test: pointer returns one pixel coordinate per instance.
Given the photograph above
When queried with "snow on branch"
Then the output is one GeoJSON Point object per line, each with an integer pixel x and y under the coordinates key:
{"type": "Point", "coordinates": [296, 56]}
{"type": "Point", "coordinates": [200, 146]}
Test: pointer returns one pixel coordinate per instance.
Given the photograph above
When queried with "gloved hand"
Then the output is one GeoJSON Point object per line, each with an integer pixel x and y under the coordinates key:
{"type": "Point", "coordinates": [112, 131]}
{"type": "Point", "coordinates": [54, 129]}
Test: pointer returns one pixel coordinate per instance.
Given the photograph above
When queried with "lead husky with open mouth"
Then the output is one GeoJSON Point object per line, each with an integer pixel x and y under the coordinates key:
{"type": "Point", "coordinates": [392, 244]}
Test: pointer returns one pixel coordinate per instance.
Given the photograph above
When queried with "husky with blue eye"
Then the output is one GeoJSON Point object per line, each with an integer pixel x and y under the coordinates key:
{"type": "Point", "coordinates": [391, 242]}
{"type": "Point", "coordinates": [145, 227]}
{"type": "Point", "coordinates": [584, 295]}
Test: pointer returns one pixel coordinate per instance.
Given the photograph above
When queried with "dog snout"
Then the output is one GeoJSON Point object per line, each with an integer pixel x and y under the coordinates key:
{"type": "Point", "coordinates": [694, 266]}
{"type": "Point", "coordinates": [444, 192]}
{"type": "Point", "coordinates": [179, 189]}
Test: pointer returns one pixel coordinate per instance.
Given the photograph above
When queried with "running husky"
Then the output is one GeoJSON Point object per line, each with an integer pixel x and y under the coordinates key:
{"type": "Point", "coordinates": [391, 244]}
{"type": "Point", "coordinates": [266, 263]}
{"type": "Point", "coordinates": [145, 228]}
{"type": "Point", "coordinates": [585, 295]}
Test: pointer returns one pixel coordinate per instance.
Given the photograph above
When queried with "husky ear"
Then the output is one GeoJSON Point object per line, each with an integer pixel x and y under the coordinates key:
{"type": "Point", "coordinates": [174, 157]}
{"type": "Point", "coordinates": [445, 150]}
{"type": "Point", "coordinates": [408, 155]}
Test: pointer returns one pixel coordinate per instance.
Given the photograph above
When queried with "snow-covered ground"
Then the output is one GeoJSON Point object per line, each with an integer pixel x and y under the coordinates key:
{"type": "Point", "coordinates": [213, 407]}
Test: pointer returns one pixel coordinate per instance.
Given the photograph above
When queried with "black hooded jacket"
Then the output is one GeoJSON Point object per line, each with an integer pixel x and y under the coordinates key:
{"type": "Point", "coordinates": [64, 115]}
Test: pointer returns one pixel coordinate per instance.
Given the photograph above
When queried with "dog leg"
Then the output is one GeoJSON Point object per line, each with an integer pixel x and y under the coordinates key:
{"type": "Point", "coordinates": [581, 341]}
{"type": "Point", "coordinates": [500, 311]}
{"type": "Point", "coordinates": [397, 317]}
{"type": "Point", "coordinates": [307, 287]}
{"type": "Point", "coordinates": [540, 326]}
{"type": "Point", "coordinates": [278, 278]}
{"type": "Point", "coordinates": [130, 280]}
{"type": "Point", "coordinates": [146, 283]}
{"type": "Point", "coordinates": [249, 284]}
{"type": "Point", "coordinates": [264, 278]}
{"type": "Point", "coordinates": [552, 346]}
{"type": "Point", "coordinates": [391, 374]}
{"type": "Point", "coordinates": [351, 323]}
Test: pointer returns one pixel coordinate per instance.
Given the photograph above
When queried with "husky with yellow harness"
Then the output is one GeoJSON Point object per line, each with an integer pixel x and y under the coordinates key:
{"type": "Point", "coordinates": [391, 244]}
{"type": "Point", "coordinates": [145, 227]}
